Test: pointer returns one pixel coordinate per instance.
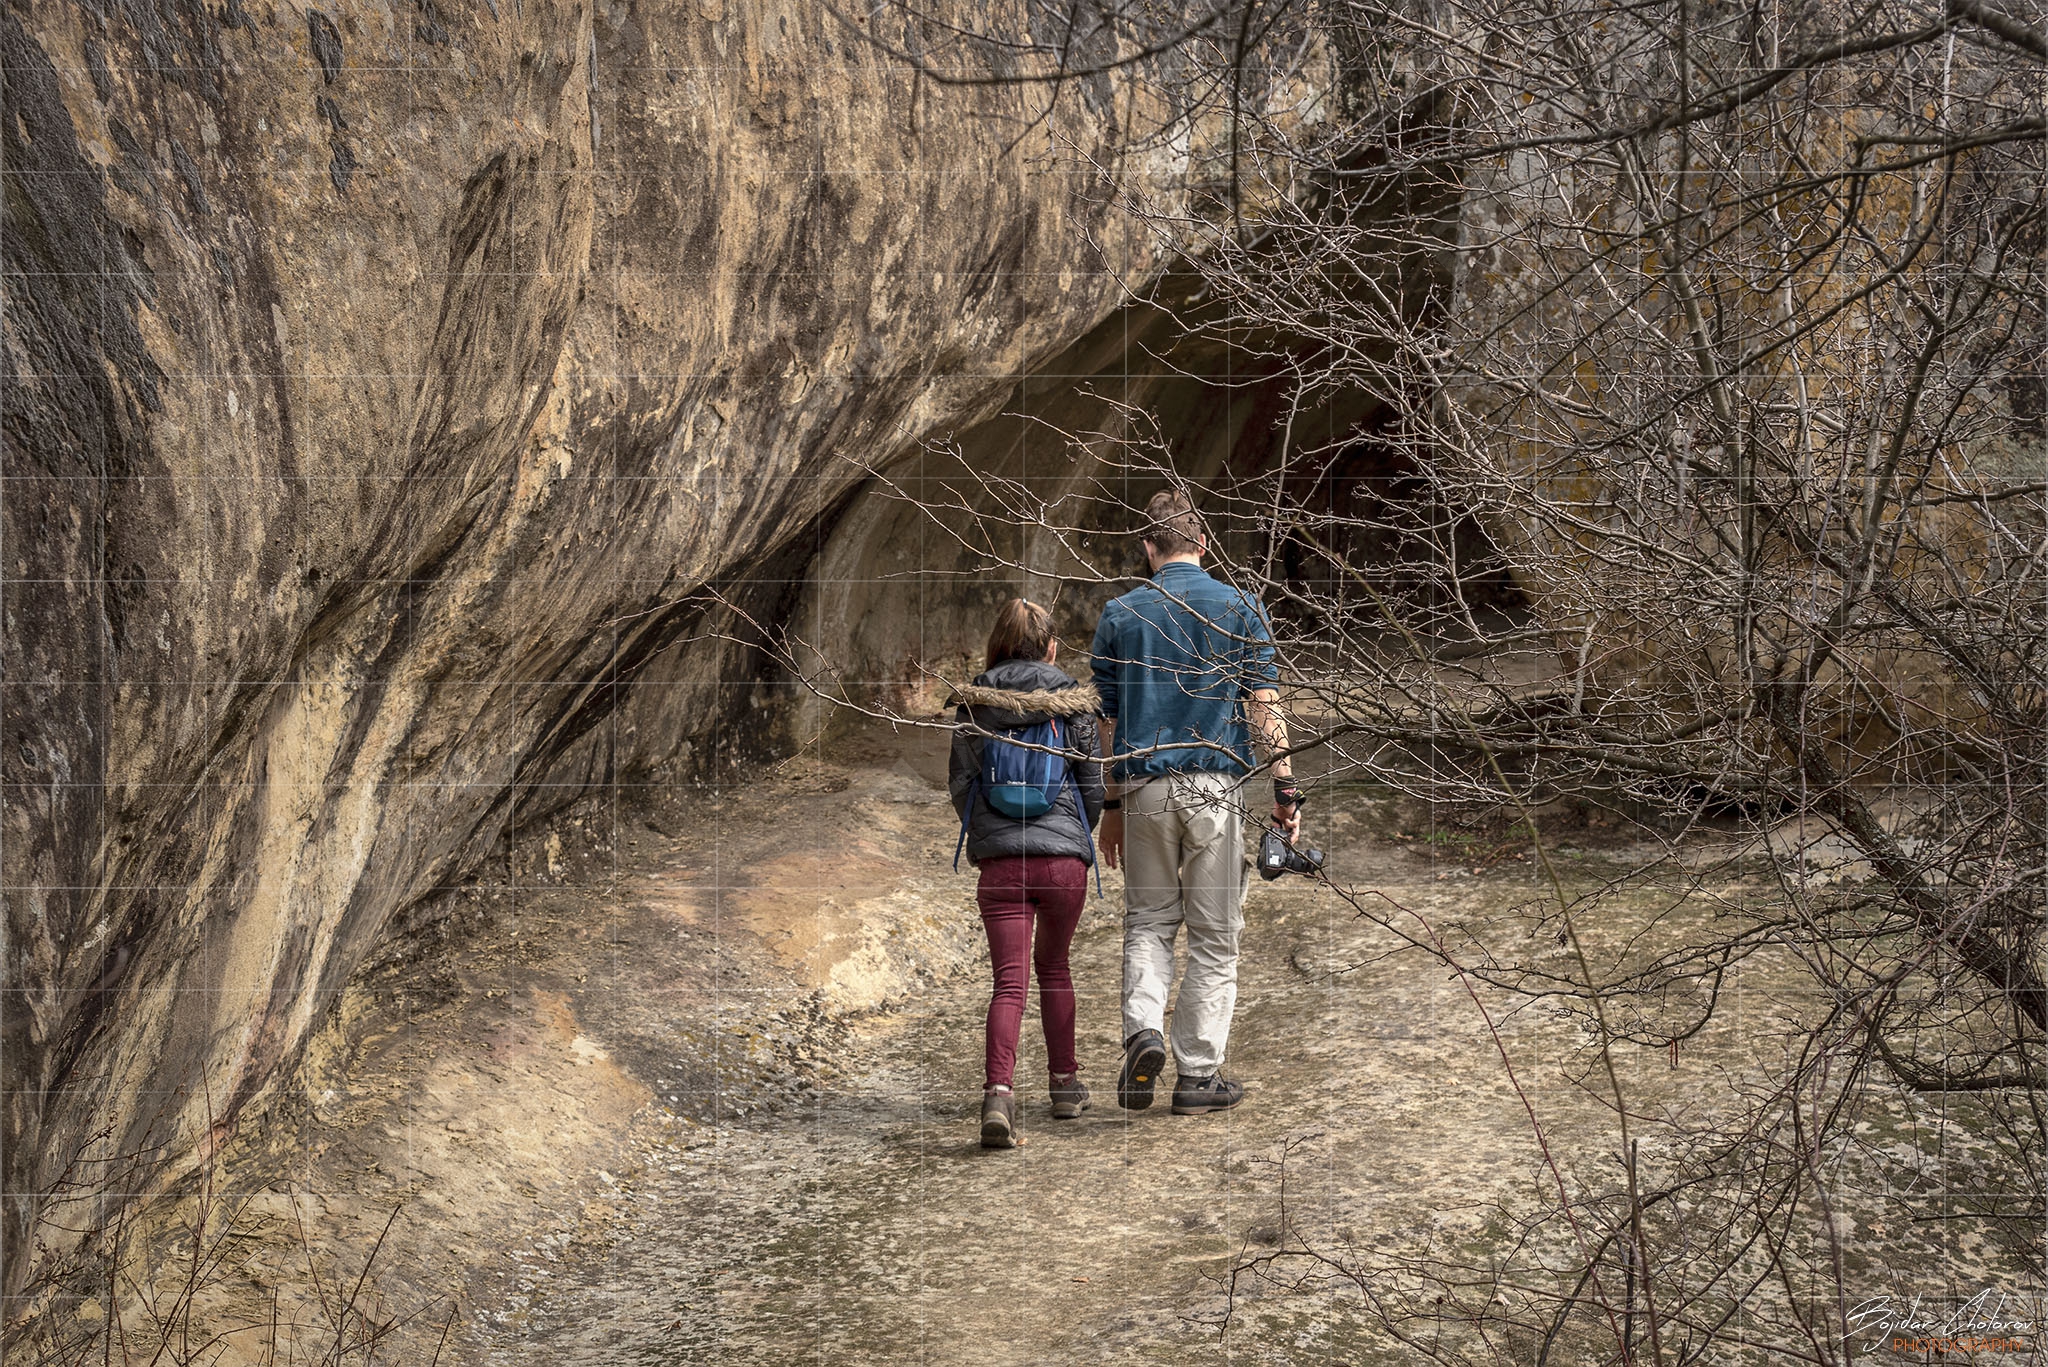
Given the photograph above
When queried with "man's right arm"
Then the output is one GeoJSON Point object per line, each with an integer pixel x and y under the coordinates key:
{"type": "Point", "coordinates": [1269, 724]}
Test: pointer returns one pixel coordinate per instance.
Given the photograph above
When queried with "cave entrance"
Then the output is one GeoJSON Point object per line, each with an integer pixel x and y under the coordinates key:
{"type": "Point", "coordinates": [1367, 508]}
{"type": "Point", "coordinates": [1322, 501]}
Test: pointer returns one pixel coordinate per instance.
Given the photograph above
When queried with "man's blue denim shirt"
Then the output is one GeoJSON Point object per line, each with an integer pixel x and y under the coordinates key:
{"type": "Point", "coordinates": [1175, 661]}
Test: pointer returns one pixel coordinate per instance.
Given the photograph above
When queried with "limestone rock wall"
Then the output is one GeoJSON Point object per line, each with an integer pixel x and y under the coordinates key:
{"type": "Point", "coordinates": [382, 383]}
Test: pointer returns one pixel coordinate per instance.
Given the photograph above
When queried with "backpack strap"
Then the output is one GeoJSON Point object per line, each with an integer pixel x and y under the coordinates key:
{"type": "Point", "coordinates": [966, 815]}
{"type": "Point", "coordinates": [1087, 836]}
{"type": "Point", "coordinates": [1081, 811]}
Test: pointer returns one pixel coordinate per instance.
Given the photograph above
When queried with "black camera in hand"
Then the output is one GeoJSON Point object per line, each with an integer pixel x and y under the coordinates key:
{"type": "Point", "coordinates": [1277, 856]}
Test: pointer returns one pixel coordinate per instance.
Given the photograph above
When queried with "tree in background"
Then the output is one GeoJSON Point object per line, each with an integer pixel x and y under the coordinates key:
{"type": "Point", "coordinates": [1657, 419]}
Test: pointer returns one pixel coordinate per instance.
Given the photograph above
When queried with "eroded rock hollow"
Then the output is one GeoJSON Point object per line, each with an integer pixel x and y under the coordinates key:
{"type": "Point", "coordinates": [384, 383]}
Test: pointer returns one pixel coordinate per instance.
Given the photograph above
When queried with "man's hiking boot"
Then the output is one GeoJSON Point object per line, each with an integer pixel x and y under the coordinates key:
{"type": "Point", "coordinates": [999, 1120]}
{"type": "Point", "coordinates": [1069, 1096]}
{"type": "Point", "coordinates": [1144, 1056]}
{"type": "Point", "coordinates": [1201, 1095]}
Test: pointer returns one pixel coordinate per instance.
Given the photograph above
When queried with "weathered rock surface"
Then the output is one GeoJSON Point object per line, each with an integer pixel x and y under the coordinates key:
{"type": "Point", "coordinates": [382, 384]}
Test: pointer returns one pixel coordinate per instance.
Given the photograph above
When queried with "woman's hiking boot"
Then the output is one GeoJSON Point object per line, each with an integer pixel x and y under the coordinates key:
{"type": "Point", "coordinates": [1144, 1056]}
{"type": "Point", "coordinates": [1201, 1095]}
{"type": "Point", "coordinates": [1069, 1096]}
{"type": "Point", "coordinates": [999, 1120]}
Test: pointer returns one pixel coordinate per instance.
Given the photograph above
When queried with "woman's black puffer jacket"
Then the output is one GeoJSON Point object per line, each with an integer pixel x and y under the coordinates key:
{"type": "Point", "coordinates": [1019, 693]}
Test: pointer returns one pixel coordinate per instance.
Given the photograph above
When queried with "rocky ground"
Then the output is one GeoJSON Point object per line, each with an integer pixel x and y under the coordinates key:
{"type": "Point", "coordinates": [698, 1082]}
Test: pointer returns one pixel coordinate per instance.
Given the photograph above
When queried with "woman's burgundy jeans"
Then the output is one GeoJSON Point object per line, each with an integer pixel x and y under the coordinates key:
{"type": "Point", "coordinates": [1013, 893]}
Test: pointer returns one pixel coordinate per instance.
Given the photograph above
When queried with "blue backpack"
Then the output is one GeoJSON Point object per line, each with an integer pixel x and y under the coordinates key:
{"type": "Point", "coordinates": [1018, 780]}
{"type": "Point", "coordinates": [1022, 775]}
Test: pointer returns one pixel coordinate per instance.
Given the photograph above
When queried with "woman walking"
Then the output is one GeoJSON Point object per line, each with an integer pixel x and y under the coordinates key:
{"type": "Point", "coordinates": [1028, 789]}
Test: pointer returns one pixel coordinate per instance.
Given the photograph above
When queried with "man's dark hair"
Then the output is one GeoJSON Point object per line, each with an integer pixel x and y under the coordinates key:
{"type": "Point", "coordinates": [1171, 523]}
{"type": "Point", "coordinates": [1023, 631]}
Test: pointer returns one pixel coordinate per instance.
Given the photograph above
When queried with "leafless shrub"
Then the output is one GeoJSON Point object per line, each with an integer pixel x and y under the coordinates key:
{"type": "Point", "coordinates": [1648, 411]}
{"type": "Point", "coordinates": [128, 1292]}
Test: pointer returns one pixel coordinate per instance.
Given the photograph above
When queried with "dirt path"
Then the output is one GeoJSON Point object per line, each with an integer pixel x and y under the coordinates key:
{"type": "Point", "coordinates": [866, 1225]}
{"type": "Point", "coordinates": [698, 1082]}
{"type": "Point", "coordinates": [858, 1220]}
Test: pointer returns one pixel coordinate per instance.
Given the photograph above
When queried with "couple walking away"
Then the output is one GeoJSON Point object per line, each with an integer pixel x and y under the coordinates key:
{"type": "Point", "coordinates": [1183, 679]}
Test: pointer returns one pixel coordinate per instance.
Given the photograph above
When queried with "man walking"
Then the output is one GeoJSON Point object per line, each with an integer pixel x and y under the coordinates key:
{"type": "Point", "coordinates": [1184, 666]}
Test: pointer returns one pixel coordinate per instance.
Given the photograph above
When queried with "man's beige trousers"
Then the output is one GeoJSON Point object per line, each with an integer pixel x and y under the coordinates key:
{"type": "Point", "coordinates": [1184, 865]}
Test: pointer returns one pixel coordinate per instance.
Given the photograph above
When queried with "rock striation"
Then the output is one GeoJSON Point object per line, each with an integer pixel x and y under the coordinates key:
{"type": "Point", "coordinates": [385, 387]}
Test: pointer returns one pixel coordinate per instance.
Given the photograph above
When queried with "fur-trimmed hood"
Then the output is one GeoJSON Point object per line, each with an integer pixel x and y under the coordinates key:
{"type": "Point", "coordinates": [1024, 693]}
{"type": "Point", "coordinates": [1076, 700]}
